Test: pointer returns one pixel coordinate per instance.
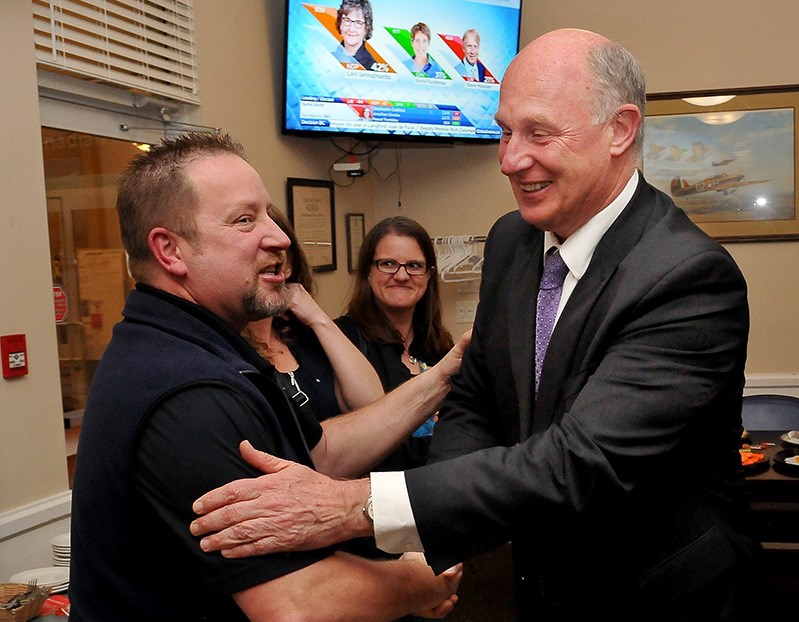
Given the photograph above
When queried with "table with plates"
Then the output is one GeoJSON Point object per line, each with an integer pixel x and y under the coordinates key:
{"type": "Point", "coordinates": [774, 503]}
{"type": "Point", "coordinates": [55, 577]}
{"type": "Point", "coordinates": [774, 488]}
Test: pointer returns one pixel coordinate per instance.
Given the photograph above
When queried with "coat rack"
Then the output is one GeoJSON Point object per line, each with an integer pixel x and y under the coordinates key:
{"type": "Point", "coordinates": [459, 257]}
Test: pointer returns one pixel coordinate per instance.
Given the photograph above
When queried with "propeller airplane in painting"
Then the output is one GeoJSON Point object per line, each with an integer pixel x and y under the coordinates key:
{"type": "Point", "coordinates": [720, 183]}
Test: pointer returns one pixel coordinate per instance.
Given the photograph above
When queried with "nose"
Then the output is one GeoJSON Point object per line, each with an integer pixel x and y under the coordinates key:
{"type": "Point", "coordinates": [402, 274]}
{"type": "Point", "coordinates": [514, 155]}
{"type": "Point", "coordinates": [274, 237]}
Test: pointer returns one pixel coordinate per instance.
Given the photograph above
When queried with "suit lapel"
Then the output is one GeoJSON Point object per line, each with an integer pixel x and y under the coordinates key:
{"type": "Point", "coordinates": [525, 274]}
{"type": "Point", "coordinates": [568, 343]}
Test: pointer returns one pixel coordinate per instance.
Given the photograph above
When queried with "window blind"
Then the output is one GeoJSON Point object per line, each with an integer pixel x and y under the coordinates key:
{"type": "Point", "coordinates": [144, 45]}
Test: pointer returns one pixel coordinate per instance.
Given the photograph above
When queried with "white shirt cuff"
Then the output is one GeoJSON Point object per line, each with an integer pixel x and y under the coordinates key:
{"type": "Point", "coordinates": [395, 528]}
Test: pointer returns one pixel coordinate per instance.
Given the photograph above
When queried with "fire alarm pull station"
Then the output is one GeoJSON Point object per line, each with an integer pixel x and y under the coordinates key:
{"type": "Point", "coordinates": [15, 355]}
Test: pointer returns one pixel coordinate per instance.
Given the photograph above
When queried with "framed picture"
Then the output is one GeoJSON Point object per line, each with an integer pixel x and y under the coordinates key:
{"type": "Point", "coordinates": [728, 159]}
{"type": "Point", "coordinates": [312, 213]}
{"type": "Point", "coordinates": [355, 233]}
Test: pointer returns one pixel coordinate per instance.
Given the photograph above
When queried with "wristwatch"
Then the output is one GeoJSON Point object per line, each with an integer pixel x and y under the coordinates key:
{"type": "Point", "coordinates": [368, 510]}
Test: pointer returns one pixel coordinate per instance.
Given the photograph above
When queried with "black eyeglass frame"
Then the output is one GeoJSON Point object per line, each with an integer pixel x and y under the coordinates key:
{"type": "Point", "coordinates": [376, 263]}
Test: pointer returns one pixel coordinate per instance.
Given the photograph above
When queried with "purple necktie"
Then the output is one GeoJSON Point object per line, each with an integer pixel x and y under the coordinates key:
{"type": "Point", "coordinates": [555, 270]}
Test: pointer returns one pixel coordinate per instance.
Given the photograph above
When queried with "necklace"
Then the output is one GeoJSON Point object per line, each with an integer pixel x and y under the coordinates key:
{"type": "Point", "coordinates": [405, 341]}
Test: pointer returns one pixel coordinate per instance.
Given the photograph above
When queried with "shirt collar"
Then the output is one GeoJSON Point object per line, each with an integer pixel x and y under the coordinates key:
{"type": "Point", "coordinates": [578, 249]}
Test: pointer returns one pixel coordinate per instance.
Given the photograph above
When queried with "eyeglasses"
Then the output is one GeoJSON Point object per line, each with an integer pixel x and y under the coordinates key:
{"type": "Point", "coordinates": [346, 21]}
{"type": "Point", "coordinates": [390, 266]}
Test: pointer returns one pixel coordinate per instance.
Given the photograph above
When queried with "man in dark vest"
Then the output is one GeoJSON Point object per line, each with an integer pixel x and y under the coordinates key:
{"type": "Point", "coordinates": [177, 392]}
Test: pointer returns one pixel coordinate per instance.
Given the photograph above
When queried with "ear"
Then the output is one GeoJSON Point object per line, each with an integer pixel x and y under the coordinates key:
{"type": "Point", "coordinates": [165, 247]}
{"type": "Point", "coordinates": [625, 126]}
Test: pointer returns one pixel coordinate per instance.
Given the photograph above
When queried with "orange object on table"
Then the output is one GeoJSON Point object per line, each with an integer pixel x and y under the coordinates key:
{"type": "Point", "coordinates": [750, 457]}
{"type": "Point", "coordinates": [56, 605]}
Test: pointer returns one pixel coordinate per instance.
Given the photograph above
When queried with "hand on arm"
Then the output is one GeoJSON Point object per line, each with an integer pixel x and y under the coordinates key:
{"type": "Point", "coordinates": [357, 383]}
{"type": "Point", "coordinates": [345, 587]}
{"type": "Point", "coordinates": [355, 442]}
{"type": "Point", "coordinates": [292, 507]}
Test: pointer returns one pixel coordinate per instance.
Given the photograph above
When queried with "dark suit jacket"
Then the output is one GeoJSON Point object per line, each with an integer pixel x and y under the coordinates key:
{"type": "Point", "coordinates": [619, 483]}
{"type": "Point", "coordinates": [481, 70]}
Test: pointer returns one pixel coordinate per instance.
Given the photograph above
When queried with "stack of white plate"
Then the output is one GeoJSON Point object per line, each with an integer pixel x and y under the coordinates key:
{"type": "Point", "coordinates": [55, 577]}
{"type": "Point", "coordinates": [61, 550]}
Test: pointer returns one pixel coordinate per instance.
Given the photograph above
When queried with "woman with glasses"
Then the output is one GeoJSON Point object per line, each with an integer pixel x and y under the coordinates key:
{"type": "Point", "coordinates": [394, 315]}
{"type": "Point", "coordinates": [354, 24]}
{"type": "Point", "coordinates": [315, 364]}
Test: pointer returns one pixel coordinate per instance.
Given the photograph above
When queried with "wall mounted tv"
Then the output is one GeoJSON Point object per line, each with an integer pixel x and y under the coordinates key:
{"type": "Point", "coordinates": [339, 82]}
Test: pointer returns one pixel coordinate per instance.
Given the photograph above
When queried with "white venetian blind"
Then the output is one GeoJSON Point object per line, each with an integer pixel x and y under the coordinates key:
{"type": "Point", "coordinates": [144, 45]}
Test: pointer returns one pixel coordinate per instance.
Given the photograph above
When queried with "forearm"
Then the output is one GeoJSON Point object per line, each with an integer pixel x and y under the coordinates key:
{"type": "Point", "coordinates": [355, 442]}
{"type": "Point", "coordinates": [347, 588]}
{"type": "Point", "coordinates": [357, 383]}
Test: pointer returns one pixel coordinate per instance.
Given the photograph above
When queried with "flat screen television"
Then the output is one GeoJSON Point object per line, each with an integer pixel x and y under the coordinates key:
{"type": "Point", "coordinates": [383, 87]}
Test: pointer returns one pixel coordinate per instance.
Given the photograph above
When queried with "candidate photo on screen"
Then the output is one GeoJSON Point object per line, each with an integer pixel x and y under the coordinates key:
{"type": "Point", "coordinates": [354, 24]}
{"type": "Point", "coordinates": [421, 63]}
{"type": "Point", "coordinates": [470, 67]}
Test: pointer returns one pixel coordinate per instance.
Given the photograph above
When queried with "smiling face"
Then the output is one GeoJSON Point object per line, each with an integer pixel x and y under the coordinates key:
{"type": "Point", "coordinates": [420, 44]}
{"type": "Point", "coordinates": [398, 292]}
{"type": "Point", "coordinates": [471, 48]}
{"type": "Point", "coordinates": [353, 30]}
{"type": "Point", "coordinates": [557, 158]}
{"type": "Point", "coordinates": [234, 268]}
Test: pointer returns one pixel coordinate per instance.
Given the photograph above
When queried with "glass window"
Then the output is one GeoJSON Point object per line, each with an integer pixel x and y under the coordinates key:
{"type": "Point", "coordinates": [90, 279]}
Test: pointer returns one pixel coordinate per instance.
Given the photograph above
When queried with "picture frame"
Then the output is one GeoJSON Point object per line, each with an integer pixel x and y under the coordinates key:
{"type": "Point", "coordinates": [355, 233]}
{"type": "Point", "coordinates": [728, 159]}
{"type": "Point", "coordinates": [311, 210]}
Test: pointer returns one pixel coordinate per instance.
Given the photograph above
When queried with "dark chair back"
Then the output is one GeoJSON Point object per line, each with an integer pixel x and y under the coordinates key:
{"type": "Point", "coordinates": [770, 412]}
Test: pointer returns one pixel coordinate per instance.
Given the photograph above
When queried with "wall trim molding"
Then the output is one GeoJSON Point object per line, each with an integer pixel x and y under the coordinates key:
{"type": "Point", "coordinates": [783, 384]}
{"type": "Point", "coordinates": [34, 515]}
{"type": "Point", "coordinates": [768, 380]}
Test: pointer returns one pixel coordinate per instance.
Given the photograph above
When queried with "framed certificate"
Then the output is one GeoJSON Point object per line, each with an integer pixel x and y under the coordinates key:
{"type": "Point", "coordinates": [312, 213]}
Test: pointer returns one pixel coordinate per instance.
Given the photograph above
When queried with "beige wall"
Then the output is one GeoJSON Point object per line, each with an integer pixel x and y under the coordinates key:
{"type": "Point", "coordinates": [452, 190]}
{"type": "Point", "coordinates": [32, 456]}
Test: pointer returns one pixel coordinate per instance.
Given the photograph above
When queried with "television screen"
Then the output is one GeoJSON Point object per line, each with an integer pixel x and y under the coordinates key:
{"type": "Point", "coordinates": [413, 69]}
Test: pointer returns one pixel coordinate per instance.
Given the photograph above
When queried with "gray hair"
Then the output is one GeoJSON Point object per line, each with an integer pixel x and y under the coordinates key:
{"type": "Point", "coordinates": [619, 80]}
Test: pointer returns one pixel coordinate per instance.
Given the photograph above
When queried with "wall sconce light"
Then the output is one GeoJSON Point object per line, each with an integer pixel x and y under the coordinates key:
{"type": "Point", "coordinates": [711, 100]}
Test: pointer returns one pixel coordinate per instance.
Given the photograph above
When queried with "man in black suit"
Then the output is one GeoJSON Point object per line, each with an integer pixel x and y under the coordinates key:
{"type": "Point", "coordinates": [618, 478]}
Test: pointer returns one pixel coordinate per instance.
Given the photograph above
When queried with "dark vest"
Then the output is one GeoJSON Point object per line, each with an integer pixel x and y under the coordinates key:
{"type": "Point", "coordinates": [164, 344]}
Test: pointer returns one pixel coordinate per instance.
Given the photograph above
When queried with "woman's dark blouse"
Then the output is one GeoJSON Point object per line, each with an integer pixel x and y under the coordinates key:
{"type": "Point", "coordinates": [386, 358]}
{"type": "Point", "coordinates": [314, 376]}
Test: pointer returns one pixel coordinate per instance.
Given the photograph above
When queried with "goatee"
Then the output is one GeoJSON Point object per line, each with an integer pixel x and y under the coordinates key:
{"type": "Point", "coordinates": [259, 305]}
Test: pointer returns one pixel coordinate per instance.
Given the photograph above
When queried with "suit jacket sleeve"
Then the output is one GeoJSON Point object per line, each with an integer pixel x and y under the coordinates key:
{"type": "Point", "coordinates": [644, 367]}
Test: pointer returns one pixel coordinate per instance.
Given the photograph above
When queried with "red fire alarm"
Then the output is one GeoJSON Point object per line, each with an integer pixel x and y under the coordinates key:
{"type": "Point", "coordinates": [15, 355]}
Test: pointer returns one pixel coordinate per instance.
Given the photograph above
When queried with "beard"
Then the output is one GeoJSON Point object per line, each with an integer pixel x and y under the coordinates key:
{"type": "Point", "coordinates": [259, 304]}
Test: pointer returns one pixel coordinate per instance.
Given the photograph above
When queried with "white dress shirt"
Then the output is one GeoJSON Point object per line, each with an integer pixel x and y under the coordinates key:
{"type": "Point", "coordinates": [395, 528]}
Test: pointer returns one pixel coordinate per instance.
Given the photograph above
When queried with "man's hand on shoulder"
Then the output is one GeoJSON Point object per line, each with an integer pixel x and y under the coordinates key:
{"type": "Point", "coordinates": [290, 508]}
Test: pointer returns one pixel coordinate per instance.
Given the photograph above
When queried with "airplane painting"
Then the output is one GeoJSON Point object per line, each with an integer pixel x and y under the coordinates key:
{"type": "Point", "coordinates": [723, 183]}
{"type": "Point", "coordinates": [720, 174]}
